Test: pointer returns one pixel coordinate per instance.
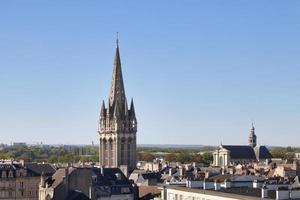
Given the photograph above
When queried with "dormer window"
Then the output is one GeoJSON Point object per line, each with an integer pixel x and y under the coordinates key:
{"type": "Point", "coordinates": [118, 176]}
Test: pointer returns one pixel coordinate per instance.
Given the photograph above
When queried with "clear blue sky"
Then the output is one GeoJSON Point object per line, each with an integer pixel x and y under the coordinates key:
{"type": "Point", "coordinates": [199, 71]}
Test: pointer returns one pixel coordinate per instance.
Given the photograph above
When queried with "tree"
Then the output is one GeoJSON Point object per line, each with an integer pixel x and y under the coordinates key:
{"type": "Point", "coordinates": [197, 158]}
{"type": "Point", "coordinates": [170, 157]}
{"type": "Point", "coordinates": [207, 157]}
{"type": "Point", "coordinates": [184, 157]}
{"type": "Point", "coordinates": [148, 157]}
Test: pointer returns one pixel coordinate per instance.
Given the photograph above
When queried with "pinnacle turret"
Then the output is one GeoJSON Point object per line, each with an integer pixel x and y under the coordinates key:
{"type": "Point", "coordinates": [132, 111]}
{"type": "Point", "coordinates": [103, 109]}
{"type": "Point", "coordinates": [126, 108]}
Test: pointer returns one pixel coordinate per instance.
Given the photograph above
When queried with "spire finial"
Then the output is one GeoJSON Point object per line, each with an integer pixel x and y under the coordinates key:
{"type": "Point", "coordinates": [117, 39]}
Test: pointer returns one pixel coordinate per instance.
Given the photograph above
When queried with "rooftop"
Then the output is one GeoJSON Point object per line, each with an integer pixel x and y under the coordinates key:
{"type": "Point", "coordinates": [235, 193]}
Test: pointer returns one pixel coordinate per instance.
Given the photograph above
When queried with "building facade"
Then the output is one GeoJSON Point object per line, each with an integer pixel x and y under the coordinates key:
{"type": "Point", "coordinates": [228, 155]}
{"type": "Point", "coordinates": [117, 125]}
{"type": "Point", "coordinates": [21, 180]}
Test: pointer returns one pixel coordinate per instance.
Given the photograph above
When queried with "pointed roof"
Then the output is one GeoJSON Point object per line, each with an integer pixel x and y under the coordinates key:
{"type": "Point", "coordinates": [117, 91]}
{"type": "Point", "coordinates": [262, 152]}
{"type": "Point", "coordinates": [252, 127]}
{"type": "Point", "coordinates": [126, 108]}
{"type": "Point", "coordinates": [103, 109]}
{"type": "Point", "coordinates": [132, 111]}
{"type": "Point", "coordinates": [252, 130]}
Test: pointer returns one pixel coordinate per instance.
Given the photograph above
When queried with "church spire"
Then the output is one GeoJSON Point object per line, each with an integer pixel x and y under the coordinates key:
{"type": "Point", "coordinates": [117, 121]}
{"type": "Point", "coordinates": [117, 91]}
{"type": "Point", "coordinates": [252, 140]}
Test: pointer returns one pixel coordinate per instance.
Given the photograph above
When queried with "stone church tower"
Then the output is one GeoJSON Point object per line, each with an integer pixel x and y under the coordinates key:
{"type": "Point", "coordinates": [252, 140]}
{"type": "Point", "coordinates": [117, 125]}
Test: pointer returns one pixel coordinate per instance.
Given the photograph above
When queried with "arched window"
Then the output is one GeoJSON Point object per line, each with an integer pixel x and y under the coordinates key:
{"type": "Point", "coordinates": [3, 175]}
{"type": "Point", "coordinates": [123, 141]}
{"type": "Point", "coordinates": [10, 174]}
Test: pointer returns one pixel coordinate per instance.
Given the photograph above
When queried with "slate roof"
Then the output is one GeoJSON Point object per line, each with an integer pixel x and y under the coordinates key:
{"type": "Point", "coordinates": [262, 152]}
{"type": "Point", "coordinates": [113, 181]}
{"type": "Point", "coordinates": [106, 182]}
{"type": "Point", "coordinates": [247, 152]}
{"type": "Point", "coordinates": [240, 151]}
{"type": "Point", "coordinates": [110, 177]}
{"type": "Point", "coordinates": [77, 195]}
{"type": "Point", "coordinates": [58, 176]}
{"type": "Point", "coordinates": [38, 169]}
{"type": "Point", "coordinates": [151, 176]}
{"type": "Point", "coordinates": [33, 169]}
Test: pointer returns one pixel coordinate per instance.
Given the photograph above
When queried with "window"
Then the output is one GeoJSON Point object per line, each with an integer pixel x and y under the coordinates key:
{"type": "Point", "coordinates": [10, 174]}
{"type": "Point", "coordinates": [3, 174]}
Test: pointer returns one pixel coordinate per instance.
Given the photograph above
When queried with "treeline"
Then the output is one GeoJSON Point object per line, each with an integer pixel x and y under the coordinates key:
{"type": "Point", "coordinates": [179, 156]}
{"type": "Point", "coordinates": [51, 154]}
{"type": "Point", "coordinates": [89, 153]}
{"type": "Point", "coordinates": [177, 150]}
{"type": "Point", "coordinates": [286, 153]}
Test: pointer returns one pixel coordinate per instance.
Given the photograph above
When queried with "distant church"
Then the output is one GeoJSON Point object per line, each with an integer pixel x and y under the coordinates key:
{"type": "Point", "coordinates": [117, 125]}
{"type": "Point", "coordinates": [228, 155]}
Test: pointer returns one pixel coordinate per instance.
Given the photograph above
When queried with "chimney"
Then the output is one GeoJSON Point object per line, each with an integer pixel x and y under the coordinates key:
{"type": "Point", "coordinates": [43, 180]}
{"type": "Point", "coordinates": [180, 171]}
{"type": "Point", "coordinates": [66, 180]}
{"type": "Point", "coordinates": [264, 192]}
{"type": "Point", "coordinates": [22, 163]}
{"type": "Point", "coordinates": [282, 193]}
{"type": "Point", "coordinates": [217, 185]}
{"type": "Point", "coordinates": [101, 169]}
{"type": "Point", "coordinates": [227, 184]}
{"type": "Point", "coordinates": [170, 171]}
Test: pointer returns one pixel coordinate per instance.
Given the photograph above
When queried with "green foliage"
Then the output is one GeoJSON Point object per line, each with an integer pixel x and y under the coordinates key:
{"type": "Point", "coordinates": [284, 152]}
{"type": "Point", "coordinates": [179, 156]}
{"type": "Point", "coordinates": [176, 150]}
{"type": "Point", "coordinates": [66, 154]}
{"type": "Point", "coordinates": [144, 156]}
{"type": "Point", "coordinates": [171, 157]}
{"type": "Point", "coordinates": [61, 154]}
{"type": "Point", "coordinates": [207, 157]}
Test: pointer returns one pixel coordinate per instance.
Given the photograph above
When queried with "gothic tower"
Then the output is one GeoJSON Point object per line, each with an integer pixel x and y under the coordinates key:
{"type": "Point", "coordinates": [117, 125]}
{"type": "Point", "coordinates": [252, 137]}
